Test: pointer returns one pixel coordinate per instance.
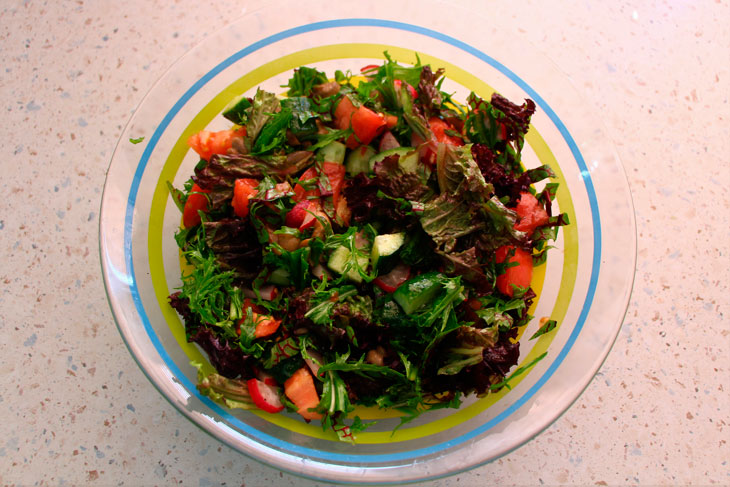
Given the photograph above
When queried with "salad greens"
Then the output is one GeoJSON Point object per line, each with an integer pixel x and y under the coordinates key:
{"type": "Point", "coordinates": [365, 240]}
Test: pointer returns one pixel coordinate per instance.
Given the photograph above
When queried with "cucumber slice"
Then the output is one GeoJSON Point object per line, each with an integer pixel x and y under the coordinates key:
{"type": "Point", "coordinates": [384, 255]}
{"type": "Point", "coordinates": [333, 152]}
{"type": "Point", "coordinates": [235, 111]}
{"type": "Point", "coordinates": [413, 294]}
{"type": "Point", "coordinates": [280, 277]}
{"type": "Point", "coordinates": [338, 262]}
{"type": "Point", "coordinates": [358, 160]}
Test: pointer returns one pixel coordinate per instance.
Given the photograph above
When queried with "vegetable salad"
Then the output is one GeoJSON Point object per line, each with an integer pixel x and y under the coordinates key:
{"type": "Point", "coordinates": [363, 240]}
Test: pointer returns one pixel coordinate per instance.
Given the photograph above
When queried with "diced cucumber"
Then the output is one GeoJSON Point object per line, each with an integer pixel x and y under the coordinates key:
{"type": "Point", "coordinates": [338, 262]}
{"type": "Point", "coordinates": [358, 160]}
{"type": "Point", "coordinates": [235, 111]}
{"type": "Point", "coordinates": [333, 152]}
{"type": "Point", "coordinates": [280, 277]}
{"type": "Point", "coordinates": [384, 255]}
{"type": "Point", "coordinates": [419, 291]}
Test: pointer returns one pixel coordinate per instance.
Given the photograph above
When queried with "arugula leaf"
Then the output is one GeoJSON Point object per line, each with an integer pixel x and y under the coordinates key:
{"type": "Point", "coordinates": [537, 174]}
{"type": "Point", "coordinates": [516, 373]}
{"type": "Point", "coordinates": [178, 197]}
{"type": "Point", "coordinates": [362, 368]}
{"type": "Point", "coordinates": [137, 140]}
{"type": "Point", "coordinates": [304, 117]}
{"type": "Point", "coordinates": [546, 327]}
{"type": "Point", "coordinates": [296, 263]}
{"type": "Point", "coordinates": [304, 78]}
{"type": "Point", "coordinates": [330, 136]}
{"type": "Point", "coordinates": [334, 395]}
{"type": "Point", "coordinates": [324, 301]}
{"type": "Point", "coordinates": [273, 133]}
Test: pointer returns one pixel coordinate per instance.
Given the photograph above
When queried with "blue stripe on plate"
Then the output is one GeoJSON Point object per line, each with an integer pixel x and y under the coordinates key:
{"type": "Point", "coordinates": [366, 459]}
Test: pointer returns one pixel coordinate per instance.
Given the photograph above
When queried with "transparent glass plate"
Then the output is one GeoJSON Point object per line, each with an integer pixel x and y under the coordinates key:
{"type": "Point", "coordinates": [585, 284]}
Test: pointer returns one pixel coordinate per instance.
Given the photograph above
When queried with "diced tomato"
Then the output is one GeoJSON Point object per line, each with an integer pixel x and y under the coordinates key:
{"type": "Point", "coordinates": [299, 388]}
{"type": "Point", "coordinates": [391, 120]}
{"type": "Point", "coordinates": [342, 212]}
{"type": "Point", "coordinates": [298, 214]}
{"type": "Point", "coordinates": [207, 143]}
{"type": "Point", "coordinates": [531, 213]}
{"type": "Point", "coordinates": [439, 128]}
{"type": "Point", "coordinates": [392, 280]}
{"type": "Point", "coordinates": [195, 202]}
{"type": "Point", "coordinates": [265, 325]}
{"type": "Point", "coordinates": [343, 113]}
{"type": "Point", "coordinates": [519, 275]}
{"type": "Point", "coordinates": [243, 189]}
{"type": "Point", "coordinates": [336, 175]}
{"type": "Point", "coordinates": [366, 125]}
{"type": "Point", "coordinates": [299, 192]}
{"type": "Point", "coordinates": [411, 90]}
{"type": "Point", "coordinates": [265, 396]}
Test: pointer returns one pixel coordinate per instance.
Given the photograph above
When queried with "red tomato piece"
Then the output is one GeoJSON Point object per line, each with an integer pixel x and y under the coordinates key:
{"type": "Point", "coordinates": [336, 175]}
{"type": "Point", "coordinates": [531, 213]}
{"type": "Point", "coordinates": [366, 124]}
{"type": "Point", "coordinates": [195, 202]}
{"type": "Point", "coordinates": [299, 192]}
{"type": "Point", "coordinates": [207, 143]}
{"type": "Point", "coordinates": [300, 216]}
{"type": "Point", "coordinates": [243, 189]}
{"type": "Point", "coordinates": [265, 396]}
{"type": "Point", "coordinates": [299, 388]}
{"type": "Point", "coordinates": [439, 128]}
{"type": "Point", "coordinates": [391, 120]}
{"type": "Point", "coordinates": [265, 325]}
{"type": "Point", "coordinates": [519, 275]}
{"type": "Point", "coordinates": [343, 113]}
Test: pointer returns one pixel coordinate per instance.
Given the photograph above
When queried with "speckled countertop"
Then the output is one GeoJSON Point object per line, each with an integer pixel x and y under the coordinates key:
{"type": "Point", "coordinates": [76, 408]}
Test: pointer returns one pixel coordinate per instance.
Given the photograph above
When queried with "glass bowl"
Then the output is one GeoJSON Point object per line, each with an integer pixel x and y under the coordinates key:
{"type": "Point", "coordinates": [585, 284]}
